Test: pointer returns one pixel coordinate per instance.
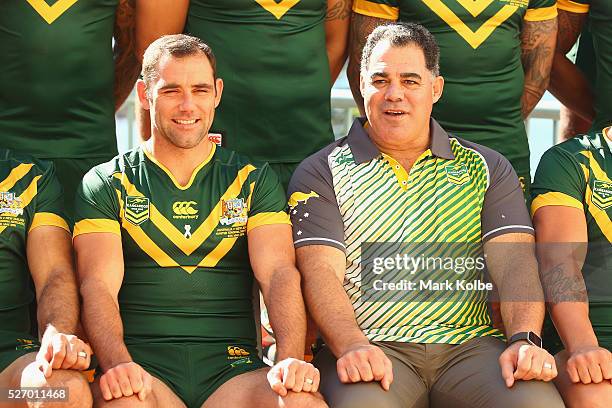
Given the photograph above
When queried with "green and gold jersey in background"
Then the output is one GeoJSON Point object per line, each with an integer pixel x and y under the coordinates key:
{"type": "Point", "coordinates": [273, 61]}
{"type": "Point", "coordinates": [578, 173]}
{"type": "Point", "coordinates": [187, 271]}
{"type": "Point", "coordinates": [480, 60]}
{"type": "Point", "coordinates": [599, 18]}
{"type": "Point", "coordinates": [30, 197]}
{"type": "Point", "coordinates": [56, 78]}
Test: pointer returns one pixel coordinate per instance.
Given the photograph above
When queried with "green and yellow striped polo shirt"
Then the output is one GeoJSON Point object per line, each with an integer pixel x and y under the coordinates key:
{"type": "Point", "coordinates": [30, 197]}
{"type": "Point", "coordinates": [187, 271]}
{"type": "Point", "coordinates": [578, 173]}
{"type": "Point", "coordinates": [350, 194]}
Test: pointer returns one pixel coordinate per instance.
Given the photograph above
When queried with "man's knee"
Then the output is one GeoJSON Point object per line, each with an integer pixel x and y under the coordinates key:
{"type": "Point", "coordinates": [533, 394]}
{"type": "Point", "coordinates": [303, 400]}
{"type": "Point", "coordinates": [75, 384]}
{"type": "Point", "coordinates": [123, 402]}
{"type": "Point", "coordinates": [588, 395]}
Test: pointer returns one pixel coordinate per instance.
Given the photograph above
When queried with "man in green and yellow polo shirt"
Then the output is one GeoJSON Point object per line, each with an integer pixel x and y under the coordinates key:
{"type": "Point", "coordinates": [36, 272]}
{"type": "Point", "coordinates": [495, 59]}
{"type": "Point", "coordinates": [169, 239]}
{"type": "Point", "coordinates": [572, 213]}
{"type": "Point", "coordinates": [400, 181]}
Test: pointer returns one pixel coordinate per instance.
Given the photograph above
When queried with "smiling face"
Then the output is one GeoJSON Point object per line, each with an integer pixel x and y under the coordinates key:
{"type": "Point", "coordinates": [399, 92]}
{"type": "Point", "coordinates": [182, 100]}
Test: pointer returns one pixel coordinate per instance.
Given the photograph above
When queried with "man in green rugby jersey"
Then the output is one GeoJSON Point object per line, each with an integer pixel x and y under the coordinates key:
{"type": "Point", "coordinates": [278, 60]}
{"type": "Point", "coordinates": [572, 213]}
{"type": "Point", "coordinates": [495, 59]}
{"type": "Point", "coordinates": [36, 271]}
{"type": "Point", "coordinates": [588, 97]}
{"type": "Point", "coordinates": [62, 81]}
{"type": "Point", "coordinates": [169, 237]}
{"type": "Point", "coordinates": [397, 179]}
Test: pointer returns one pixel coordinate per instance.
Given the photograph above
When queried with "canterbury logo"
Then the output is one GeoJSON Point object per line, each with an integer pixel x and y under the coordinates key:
{"type": "Point", "coordinates": [184, 208]}
{"type": "Point", "coordinates": [237, 351]}
{"type": "Point", "coordinates": [299, 197]}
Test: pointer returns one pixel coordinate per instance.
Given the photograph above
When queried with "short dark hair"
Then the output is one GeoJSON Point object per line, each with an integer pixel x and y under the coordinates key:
{"type": "Point", "coordinates": [401, 35]}
{"type": "Point", "coordinates": [178, 46]}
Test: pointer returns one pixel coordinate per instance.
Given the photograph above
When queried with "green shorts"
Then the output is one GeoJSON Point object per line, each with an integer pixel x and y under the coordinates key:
{"type": "Point", "coordinates": [193, 371]}
{"type": "Point", "coordinates": [14, 345]}
{"type": "Point", "coordinates": [70, 172]}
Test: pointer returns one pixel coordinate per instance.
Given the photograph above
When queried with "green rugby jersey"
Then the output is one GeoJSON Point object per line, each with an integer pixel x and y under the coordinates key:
{"type": "Point", "coordinates": [350, 194]}
{"type": "Point", "coordinates": [30, 197]}
{"type": "Point", "coordinates": [273, 61]}
{"type": "Point", "coordinates": [578, 173]}
{"type": "Point", "coordinates": [600, 15]}
{"type": "Point", "coordinates": [187, 271]}
{"type": "Point", "coordinates": [56, 78]}
{"type": "Point", "coordinates": [480, 59]}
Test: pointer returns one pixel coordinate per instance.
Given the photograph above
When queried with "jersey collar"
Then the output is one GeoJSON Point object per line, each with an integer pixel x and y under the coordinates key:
{"type": "Point", "coordinates": [364, 149]}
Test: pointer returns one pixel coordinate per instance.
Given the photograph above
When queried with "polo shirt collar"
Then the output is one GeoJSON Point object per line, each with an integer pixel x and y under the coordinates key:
{"type": "Point", "coordinates": [364, 149]}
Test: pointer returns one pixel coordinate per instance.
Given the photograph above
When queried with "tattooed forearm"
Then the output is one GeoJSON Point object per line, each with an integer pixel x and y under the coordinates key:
{"type": "Point", "coordinates": [562, 284]}
{"type": "Point", "coordinates": [538, 40]}
{"type": "Point", "coordinates": [127, 66]}
{"type": "Point", "coordinates": [570, 26]}
{"type": "Point", "coordinates": [338, 10]}
{"type": "Point", "coordinates": [361, 27]}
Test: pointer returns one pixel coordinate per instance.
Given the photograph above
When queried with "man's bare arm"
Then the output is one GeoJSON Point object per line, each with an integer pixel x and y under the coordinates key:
{"type": "Point", "coordinates": [361, 27]}
{"type": "Point", "coordinates": [512, 265]}
{"type": "Point", "coordinates": [273, 260]}
{"type": "Point", "coordinates": [567, 82]}
{"type": "Point", "coordinates": [323, 268]}
{"type": "Point", "coordinates": [100, 268]}
{"type": "Point", "coordinates": [336, 35]}
{"type": "Point", "coordinates": [127, 66]}
{"type": "Point", "coordinates": [538, 40]}
{"type": "Point", "coordinates": [49, 252]}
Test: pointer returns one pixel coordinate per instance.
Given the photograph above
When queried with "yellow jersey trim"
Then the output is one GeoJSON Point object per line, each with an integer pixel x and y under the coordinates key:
{"type": "Point", "coordinates": [267, 218]}
{"type": "Point", "coordinates": [15, 175]}
{"type": "Point", "coordinates": [555, 198]}
{"type": "Point", "coordinates": [400, 172]}
{"type": "Point", "coordinates": [541, 14]}
{"type": "Point", "coordinates": [88, 226]}
{"type": "Point", "coordinates": [42, 219]}
{"type": "Point", "coordinates": [377, 10]}
{"type": "Point", "coordinates": [193, 175]}
{"type": "Point", "coordinates": [51, 13]}
{"type": "Point", "coordinates": [277, 9]}
{"type": "Point", "coordinates": [571, 6]}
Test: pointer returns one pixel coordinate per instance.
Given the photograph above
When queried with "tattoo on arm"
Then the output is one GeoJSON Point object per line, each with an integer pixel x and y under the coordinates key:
{"type": "Point", "coordinates": [340, 10]}
{"type": "Point", "coordinates": [563, 285]}
{"type": "Point", "coordinates": [537, 50]}
{"type": "Point", "coordinates": [570, 26]}
{"type": "Point", "coordinates": [127, 66]}
{"type": "Point", "coordinates": [361, 27]}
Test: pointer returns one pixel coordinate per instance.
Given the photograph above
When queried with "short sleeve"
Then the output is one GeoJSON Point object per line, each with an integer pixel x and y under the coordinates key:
{"type": "Point", "coordinates": [49, 202]}
{"type": "Point", "coordinates": [386, 9]}
{"type": "Point", "coordinates": [559, 181]}
{"type": "Point", "coordinates": [313, 207]}
{"type": "Point", "coordinates": [504, 210]}
{"type": "Point", "coordinates": [268, 204]}
{"type": "Point", "coordinates": [574, 6]}
{"type": "Point", "coordinates": [540, 10]}
{"type": "Point", "coordinates": [96, 205]}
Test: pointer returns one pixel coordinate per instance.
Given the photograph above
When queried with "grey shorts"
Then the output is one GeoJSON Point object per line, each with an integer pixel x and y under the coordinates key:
{"type": "Point", "coordinates": [438, 376]}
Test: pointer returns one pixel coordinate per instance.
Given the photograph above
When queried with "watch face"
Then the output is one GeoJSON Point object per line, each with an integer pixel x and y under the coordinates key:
{"type": "Point", "coordinates": [534, 339]}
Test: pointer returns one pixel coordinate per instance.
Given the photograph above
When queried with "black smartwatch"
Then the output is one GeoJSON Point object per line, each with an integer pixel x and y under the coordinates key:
{"type": "Point", "coordinates": [530, 337]}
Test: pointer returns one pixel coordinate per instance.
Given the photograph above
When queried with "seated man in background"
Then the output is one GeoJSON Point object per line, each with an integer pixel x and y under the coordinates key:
{"type": "Point", "coordinates": [572, 204]}
{"type": "Point", "coordinates": [169, 237]}
{"type": "Point", "coordinates": [35, 248]}
{"type": "Point", "coordinates": [399, 178]}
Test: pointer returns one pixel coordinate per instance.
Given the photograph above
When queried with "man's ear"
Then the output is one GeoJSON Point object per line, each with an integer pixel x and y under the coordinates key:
{"type": "Point", "coordinates": [218, 90]}
{"type": "Point", "coordinates": [438, 88]}
{"type": "Point", "coordinates": [141, 90]}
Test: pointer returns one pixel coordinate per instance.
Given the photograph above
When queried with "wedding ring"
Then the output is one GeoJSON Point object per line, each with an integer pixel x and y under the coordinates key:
{"type": "Point", "coordinates": [309, 381]}
{"type": "Point", "coordinates": [82, 354]}
{"type": "Point", "coordinates": [548, 365]}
